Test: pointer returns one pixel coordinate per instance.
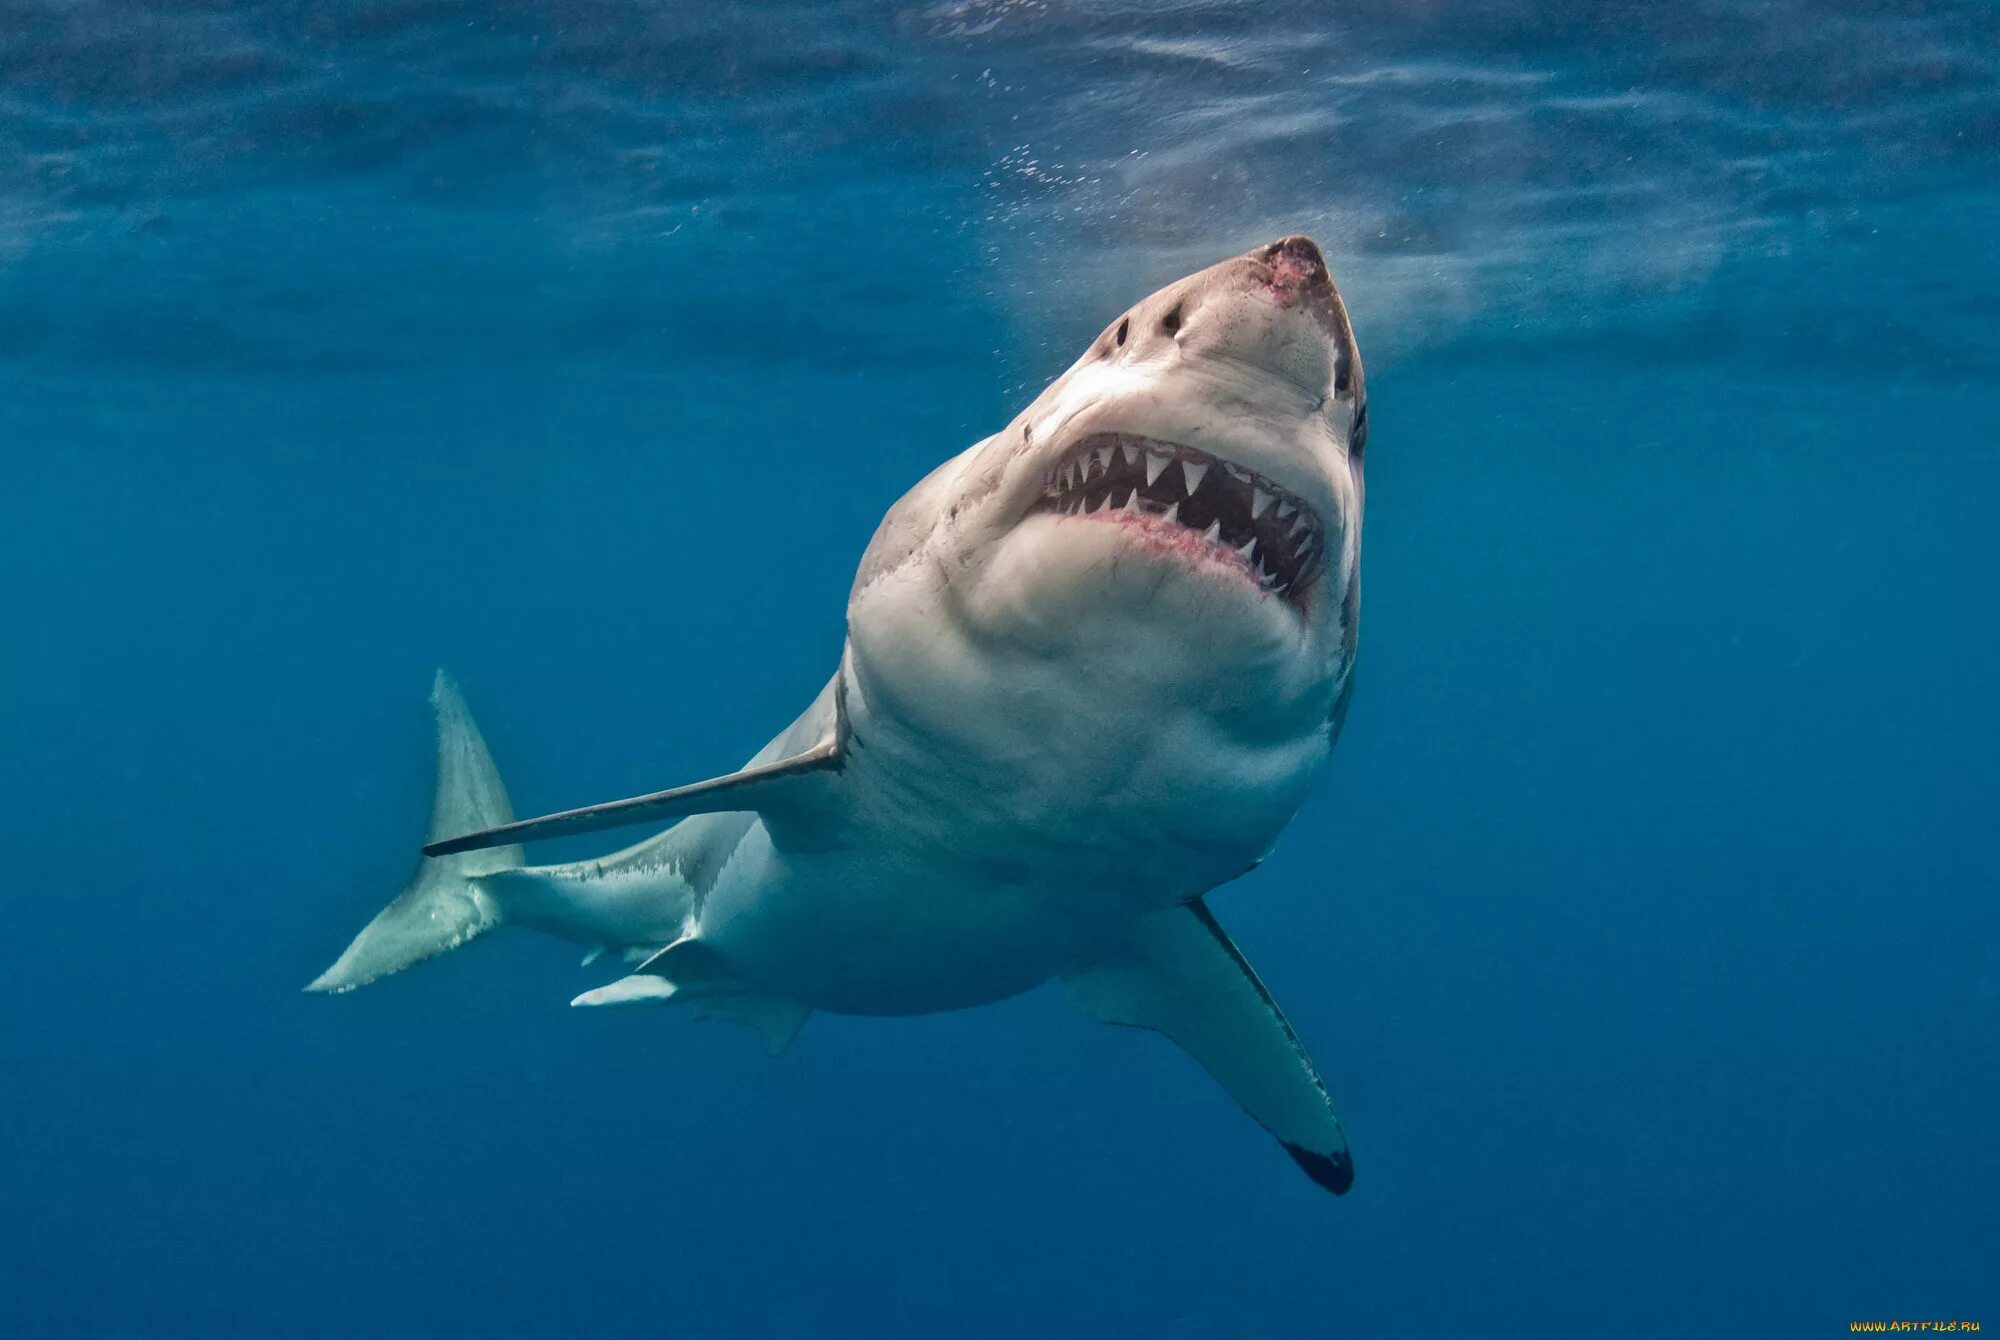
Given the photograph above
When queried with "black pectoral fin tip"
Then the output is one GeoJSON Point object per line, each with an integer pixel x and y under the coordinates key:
{"type": "Point", "coordinates": [1334, 1171]}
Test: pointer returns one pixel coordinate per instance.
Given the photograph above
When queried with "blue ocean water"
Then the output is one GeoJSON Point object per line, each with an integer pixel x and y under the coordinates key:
{"type": "Point", "coordinates": [1644, 925]}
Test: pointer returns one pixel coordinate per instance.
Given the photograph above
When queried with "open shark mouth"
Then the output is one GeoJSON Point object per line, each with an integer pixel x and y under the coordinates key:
{"type": "Point", "coordinates": [1240, 514]}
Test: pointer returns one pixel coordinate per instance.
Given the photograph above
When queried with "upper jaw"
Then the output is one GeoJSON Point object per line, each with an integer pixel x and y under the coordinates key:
{"type": "Point", "coordinates": [1201, 501]}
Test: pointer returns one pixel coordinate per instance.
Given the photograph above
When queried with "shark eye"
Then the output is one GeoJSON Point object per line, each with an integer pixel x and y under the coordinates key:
{"type": "Point", "coordinates": [1124, 329]}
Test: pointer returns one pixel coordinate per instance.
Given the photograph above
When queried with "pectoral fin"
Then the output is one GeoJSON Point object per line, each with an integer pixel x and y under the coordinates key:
{"type": "Point", "coordinates": [1178, 973]}
{"type": "Point", "coordinates": [751, 788]}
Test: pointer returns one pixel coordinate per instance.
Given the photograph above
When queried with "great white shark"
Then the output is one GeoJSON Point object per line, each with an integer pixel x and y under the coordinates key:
{"type": "Point", "coordinates": [1092, 666]}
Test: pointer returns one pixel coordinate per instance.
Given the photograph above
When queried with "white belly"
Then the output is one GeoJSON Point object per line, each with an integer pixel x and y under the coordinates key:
{"type": "Point", "coordinates": [860, 930]}
{"type": "Point", "coordinates": [980, 837]}
{"type": "Point", "coordinates": [934, 897]}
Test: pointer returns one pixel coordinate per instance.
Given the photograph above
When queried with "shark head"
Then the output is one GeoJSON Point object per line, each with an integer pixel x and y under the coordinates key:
{"type": "Point", "coordinates": [1208, 445]}
{"type": "Point", "coordinates": [1170, 533]}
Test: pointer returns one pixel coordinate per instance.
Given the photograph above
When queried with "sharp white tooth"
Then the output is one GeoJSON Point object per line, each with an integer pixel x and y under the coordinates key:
{"type": "Point", "coordinates": [1214, 532]}
{"type": "Point", "coordinates": [1125, 452]}
{"type": "Point", "coordinates": [1193, 473]}
{"type": "Point", "coordinates": [1103, 455]}
{"type": "Point", "coordinates": [1173, 513]}
{"type": "Point", "coordinates": [1131, 503]}
{"type": "Point", "coordinates": [1245, 547]}
{"type": "Point", "coordinates": [1284, 510]}
{"type": "Point", "coordinates": [1299, 527]}
{"type": "Point", "coordinates": [1259, 500]}
{"type": "Point", "coordinates": [1155, 463]}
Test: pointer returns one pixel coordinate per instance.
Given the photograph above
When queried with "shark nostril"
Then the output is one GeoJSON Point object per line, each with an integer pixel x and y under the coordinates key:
{"type": "Point", "coordinates": [1124, 329]}
{"type": "Point", "coordinates": [1171, 322]}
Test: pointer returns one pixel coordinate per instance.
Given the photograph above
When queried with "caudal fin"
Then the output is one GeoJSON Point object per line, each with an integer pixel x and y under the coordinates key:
{"type": "Point", "coordinates": [445, 904]}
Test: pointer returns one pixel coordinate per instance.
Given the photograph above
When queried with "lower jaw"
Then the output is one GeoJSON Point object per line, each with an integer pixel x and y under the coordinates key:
{"type": "Point", "coordinates": [1189, 549]}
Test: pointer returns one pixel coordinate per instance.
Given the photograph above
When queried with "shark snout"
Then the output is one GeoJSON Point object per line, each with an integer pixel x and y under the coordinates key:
{"type": "Point", "coordinates": [1292, 273]}
{"type": "Point", "coordinates": [1294, 269]}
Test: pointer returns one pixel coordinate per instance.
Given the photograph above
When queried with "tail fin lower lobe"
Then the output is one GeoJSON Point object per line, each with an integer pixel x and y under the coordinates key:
{"type": "Point", "coordinates": [445, 904]}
